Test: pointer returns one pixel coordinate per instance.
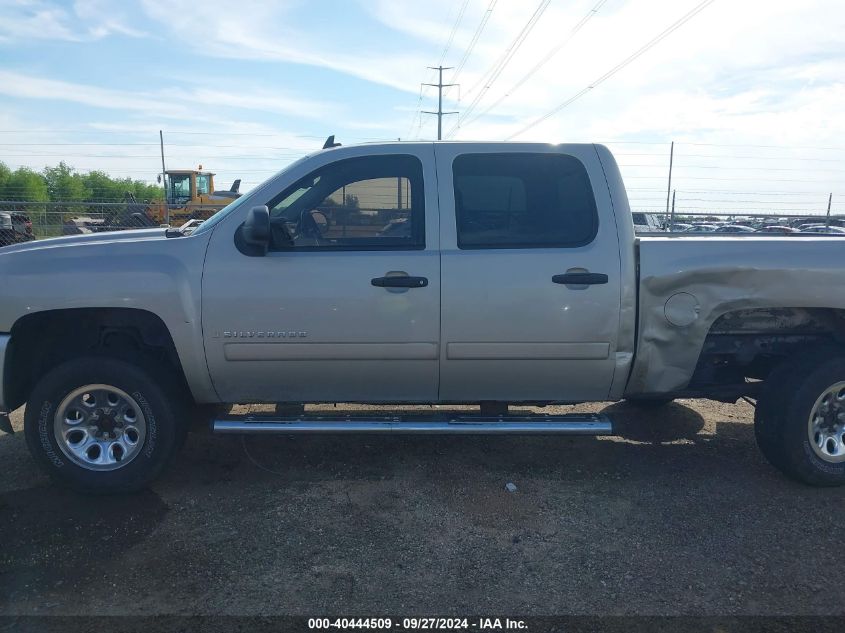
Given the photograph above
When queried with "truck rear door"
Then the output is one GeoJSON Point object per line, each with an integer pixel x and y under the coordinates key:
{"type": "Point", "coordinates": [530, 266]}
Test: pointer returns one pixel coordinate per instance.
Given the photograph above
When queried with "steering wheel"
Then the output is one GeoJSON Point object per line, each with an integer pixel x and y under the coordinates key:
{"type": "Point", "coordinates": [309, 227]}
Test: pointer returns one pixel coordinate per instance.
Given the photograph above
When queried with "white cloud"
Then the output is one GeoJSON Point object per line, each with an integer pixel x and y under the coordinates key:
{"type": "Point", "coordinates": [176, 103]}
{"type": "Point", "coordinates": [262, 31]}
{"type": "Point", "coordinates": [22, 20]}
{"type": "Point", "coordinates": [765, 72]}
{"type": "Point", "coordinates": [22, 85]}
{"type": "Point", "coordinates": [695, 75]}
{"type": "Point", "coordinates": [32, 19]}
{"type": "Point", "coordinates": [104, 18]}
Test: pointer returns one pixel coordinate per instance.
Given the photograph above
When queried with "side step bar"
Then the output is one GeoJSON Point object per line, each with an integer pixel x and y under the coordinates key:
{"type": "Point", "coordinates": [569, 424]}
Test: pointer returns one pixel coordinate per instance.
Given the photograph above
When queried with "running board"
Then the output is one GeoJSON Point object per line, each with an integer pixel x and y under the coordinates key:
{"type": "Point", "coordinates": [569, 424]}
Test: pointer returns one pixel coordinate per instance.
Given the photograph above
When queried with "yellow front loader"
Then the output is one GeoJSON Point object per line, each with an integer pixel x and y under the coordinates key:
{"type": "Point", "coordinates": [191, 196]}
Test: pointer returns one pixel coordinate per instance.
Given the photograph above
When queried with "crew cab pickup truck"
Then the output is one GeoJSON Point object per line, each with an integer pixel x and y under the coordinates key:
{"type": "Point", "coordinates": [449, 273]}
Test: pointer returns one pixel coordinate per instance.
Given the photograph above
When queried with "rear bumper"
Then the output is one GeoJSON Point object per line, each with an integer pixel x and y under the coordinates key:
{"type": "Point", "coordinates": [4, 346]}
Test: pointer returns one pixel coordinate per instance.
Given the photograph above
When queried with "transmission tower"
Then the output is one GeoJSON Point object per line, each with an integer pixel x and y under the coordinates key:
{"type": "Point", "coordinates": [439, 85]}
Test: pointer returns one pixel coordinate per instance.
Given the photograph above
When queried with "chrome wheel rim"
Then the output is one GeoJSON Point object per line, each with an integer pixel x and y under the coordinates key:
{"type": "Point", "coordinates": [100, 427]}
{"type": "Point", "coordinates": [826, 426]}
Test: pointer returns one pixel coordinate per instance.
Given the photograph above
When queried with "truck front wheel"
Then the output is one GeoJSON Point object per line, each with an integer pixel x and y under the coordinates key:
{"type": "Point", "coordinates": [100, 424]}
{"type": "Point", "coordinates": [800, 419]}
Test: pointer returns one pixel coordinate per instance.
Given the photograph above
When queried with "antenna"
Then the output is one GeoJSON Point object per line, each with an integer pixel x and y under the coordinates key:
{"type": "Point", "coordinates": [330, 143]}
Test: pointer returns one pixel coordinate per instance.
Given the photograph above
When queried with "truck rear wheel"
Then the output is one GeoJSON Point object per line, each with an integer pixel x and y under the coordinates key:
{"type": "Point", "coordinates": [102, 425]}
{"type": "Point", "coordinates": [800, 418]}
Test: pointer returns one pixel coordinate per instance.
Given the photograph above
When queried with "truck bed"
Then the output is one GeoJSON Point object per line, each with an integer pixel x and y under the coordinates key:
{"type": "Point", "coordinates": [693, 280]}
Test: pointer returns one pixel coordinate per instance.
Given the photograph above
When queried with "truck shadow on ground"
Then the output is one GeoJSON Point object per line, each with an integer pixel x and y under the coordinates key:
{"type": "Point", "coordinates": [646, 441]}
{"type": "Point", "coordinates": [328, 522]}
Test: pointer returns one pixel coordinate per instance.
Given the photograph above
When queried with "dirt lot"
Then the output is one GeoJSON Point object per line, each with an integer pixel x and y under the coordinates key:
{"type": "Point", "coordinates": [680, 515]}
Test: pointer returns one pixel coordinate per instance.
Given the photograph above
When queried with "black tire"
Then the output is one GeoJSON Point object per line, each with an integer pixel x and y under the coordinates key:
{"type": "Point", "coordinates": [781, 419]}
{"type": "Point", "coordinates": [649, 403]}
{"type": "Point", "coordinates": [163, 407]}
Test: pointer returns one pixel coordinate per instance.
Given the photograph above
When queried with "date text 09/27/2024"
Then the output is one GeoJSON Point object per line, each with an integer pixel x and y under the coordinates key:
{"type": "Point", "coordinates": [430, 624]}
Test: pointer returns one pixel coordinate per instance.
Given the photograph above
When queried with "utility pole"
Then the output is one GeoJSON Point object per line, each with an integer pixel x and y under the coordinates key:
{"type": "Point", "coordinates": [399, 189]}
{"type": "Point", "coordinates": [671, 226]}
{"type": "Point", "coordinates": [669, 188]}
{"type": "Point", "coordinates": [829, 202]}
{"type": "Point", "coordinates": [439, 85]}
{"type": "Point", "coordinates": [164, 180]}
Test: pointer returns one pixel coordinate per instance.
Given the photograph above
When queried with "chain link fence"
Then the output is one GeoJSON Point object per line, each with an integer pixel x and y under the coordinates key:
{"type": "Point", "coordinates": [24, 221]}
{"type": "Point", "coordinates": [701, 222]}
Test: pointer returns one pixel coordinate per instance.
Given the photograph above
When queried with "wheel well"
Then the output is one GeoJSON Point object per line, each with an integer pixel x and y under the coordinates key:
{"type": "Point", "coordinates": [748, 344]}
{"type": "Point", "coordinates": [42, 340]}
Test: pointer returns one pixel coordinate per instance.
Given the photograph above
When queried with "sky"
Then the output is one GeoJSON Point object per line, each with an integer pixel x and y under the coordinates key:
{"type": "Point", "coordinates": [752, 92]}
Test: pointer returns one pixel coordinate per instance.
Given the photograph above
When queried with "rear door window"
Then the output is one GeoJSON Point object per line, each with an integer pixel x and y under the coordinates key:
{"type": "Point", "coordinates": [520, 200]}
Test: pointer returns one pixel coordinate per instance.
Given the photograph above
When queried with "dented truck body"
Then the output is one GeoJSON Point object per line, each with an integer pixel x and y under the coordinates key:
{"type": "Point", "coordinates": [693, 290]}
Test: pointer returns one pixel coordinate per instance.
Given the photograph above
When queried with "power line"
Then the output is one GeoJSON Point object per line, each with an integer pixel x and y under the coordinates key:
{"type": "Point", "coordinates": [782, 158]}
{"type": "Point", "coordinates": [177, 145]}
{"type": "Point", "coordinates": [452, 32]}
{"type": "Point", "coordinates": [729, 168]}
{"type": "Point", "coordinates": [474, 40]}
{"type": "Point", "coordinates": [554, 51]}
{"type": "Point", "coordinates": [499, 66]}
{"type": "Point", "coordinates": [377, 138]}
{"type": "Point", "coordinates": [539, 10]}
{"type": "Point", "coordinates": [124, 156]}
{"type": "Point", "coordinates": [656, 40]}
{"type": "Point", "coordinates": [417, 113]}
{"type": "Point", "coordinates": [446, 47]}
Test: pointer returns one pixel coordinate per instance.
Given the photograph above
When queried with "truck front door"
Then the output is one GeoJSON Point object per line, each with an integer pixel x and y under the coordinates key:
{"type": "Point", "coordinates": [531, 274]}
{"type": "Point", "coordinates": [346, 304]}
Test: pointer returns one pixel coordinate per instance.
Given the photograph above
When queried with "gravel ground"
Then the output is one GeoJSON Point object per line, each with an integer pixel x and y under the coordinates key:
{"type": "Point", "coordinates": [678, 515]}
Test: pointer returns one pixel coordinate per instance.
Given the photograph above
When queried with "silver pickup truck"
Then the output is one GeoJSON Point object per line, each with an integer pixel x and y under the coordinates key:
{"type": "Point", "coordinates": [450, 273]}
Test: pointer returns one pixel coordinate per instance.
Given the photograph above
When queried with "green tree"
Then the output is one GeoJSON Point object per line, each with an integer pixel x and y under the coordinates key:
{"type": "Point", "coordinates": [5, 174]}
{"type": "Point", "coordinates": [64, 184]}
{"type": "Point", "coordinates": [25, 184]}
{"type": "Point", "coordinates": [100, 187]}
{"type": "Point", "coordinates": [28, 186]}
{"type": "Point", "coordinates": [78, 193]}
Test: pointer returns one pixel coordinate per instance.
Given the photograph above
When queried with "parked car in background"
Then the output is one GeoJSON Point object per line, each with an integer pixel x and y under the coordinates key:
{"type": "Point", "coordinates": [647, 223]}
{"type": "Point", "coordinates": [703, 228]}
{"type": "Point", "coordinates": [734, 228]}
{"type": "Point", "coordinates": [15, 228]}
{"type": "Point", "coordinates": [821, 228]}
{"type": "Point", "coordinates": [777, 228]}
{"type": "Point", "coordinates": [680, 227]}
{"type": "Point", "coordinates": [800, 223]}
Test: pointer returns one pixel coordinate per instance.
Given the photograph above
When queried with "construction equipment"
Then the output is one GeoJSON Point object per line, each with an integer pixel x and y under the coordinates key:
{"type": "Point", "coordinates": [191, 196]}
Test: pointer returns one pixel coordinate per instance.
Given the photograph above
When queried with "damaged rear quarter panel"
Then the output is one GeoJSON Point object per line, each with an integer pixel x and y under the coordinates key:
{"type": "Point", "coordinates": [724, 275]}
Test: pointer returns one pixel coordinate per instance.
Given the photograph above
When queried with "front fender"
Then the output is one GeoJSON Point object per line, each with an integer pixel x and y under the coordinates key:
{"type": "Point", "coordinates": [152, 273]}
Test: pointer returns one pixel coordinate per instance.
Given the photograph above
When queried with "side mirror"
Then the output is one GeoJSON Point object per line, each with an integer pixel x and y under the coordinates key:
{"type": "Point", "coordinates": [255, 231]}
